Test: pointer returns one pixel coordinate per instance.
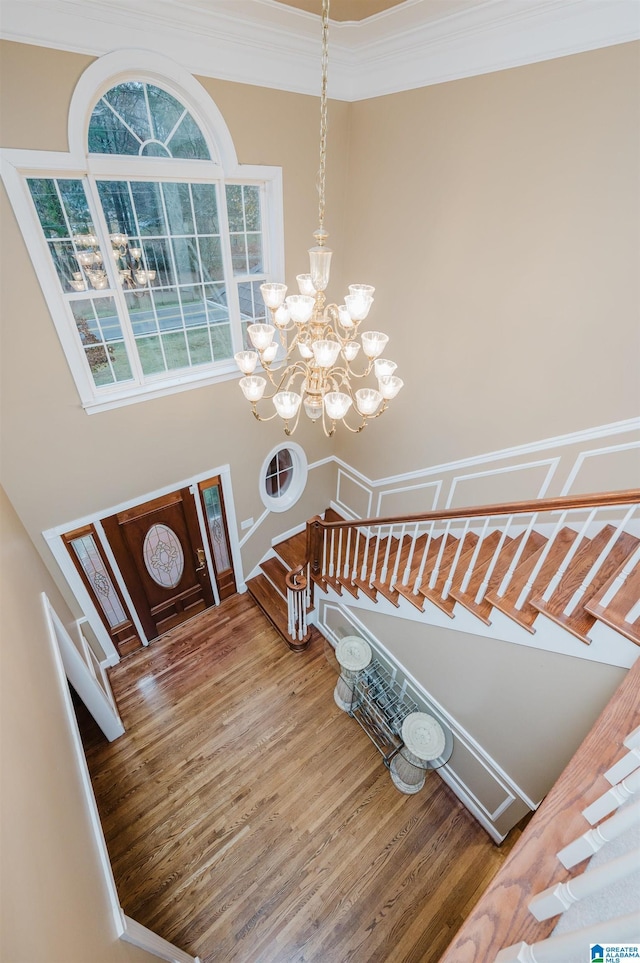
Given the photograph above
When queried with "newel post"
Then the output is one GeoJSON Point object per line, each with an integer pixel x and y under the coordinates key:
{"type": "Point", "coordinates": [314, 546]}
{"type": "Point", "coordinates": [297, 604]}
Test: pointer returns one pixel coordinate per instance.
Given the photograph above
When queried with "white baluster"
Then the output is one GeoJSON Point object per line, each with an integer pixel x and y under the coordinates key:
{"type": "Point", "coordinates": [452, 571]}
{"type": "Point", "coordinates": [571, 946]}
{"type": "Point", "coordinates": [345, 574]}
{"type": "Point", "coordinates": [556, 899]}
{"type": "Point", "coordinates": [577, 542]}
{"type": "Point", "coordinates": [543, 557]}
{"type": "Point", "coordinates": [407, 568]}
{"type": "Point", "coordinates": [633, 739]}
{"type": "Point", "coordinates": [339, 558]}
{"type": "Point", "coordinates": [331, 551]}
{"type": "Point", "coordinates": [633, 614]}
{"type": "Point", "coordinates": [474, 558]}
{"type": "Point", "coordinates": [594, 839]}
{"type": "Point", "coordinates": [620, 579]}
{"type": "Point", "coordinates": [573, 602]}
{"type": "Point", "coordinates": [623, 767]}
{"type": "Point", "coordinates": [436, 567]}
{"type": "Point", "coordinates": [613, 798]}
{"type": "Point", "coordinates": [354, 570]}
{"type": "Point", "coordinates": [394, 577]}
{"type": "Point", "coordinates": [494, 561]}
{"type": "Point", "coordinates": [506, 581]}
{"type": "Point", "coordinates": [375, 556]}
{"type": "Point", "coordinates": [385, 564]}
{"type": "Point", "coordinates": [365, 557]}
{"type": "Point", "coordinates": [423, 560]}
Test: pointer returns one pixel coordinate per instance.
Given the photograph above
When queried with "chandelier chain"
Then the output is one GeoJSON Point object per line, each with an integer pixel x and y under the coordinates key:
{"type": "Point", "coordinates": [323, 113]}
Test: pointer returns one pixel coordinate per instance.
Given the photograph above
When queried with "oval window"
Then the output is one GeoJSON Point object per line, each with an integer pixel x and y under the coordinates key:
{"type": "Point", "coordinates": [163, 556]}
{"type": "Point", "coordinates": [283, 477]}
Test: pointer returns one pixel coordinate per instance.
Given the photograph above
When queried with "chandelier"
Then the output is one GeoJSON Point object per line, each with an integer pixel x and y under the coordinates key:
{"type": "Point", "coordinates": [128, 262]}
{"type": "Point", "coordinates": [312, 371]}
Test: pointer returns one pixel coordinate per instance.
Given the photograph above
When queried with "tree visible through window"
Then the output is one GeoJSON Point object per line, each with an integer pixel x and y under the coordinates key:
{"type": "Point", "coordinates": [158, 257]}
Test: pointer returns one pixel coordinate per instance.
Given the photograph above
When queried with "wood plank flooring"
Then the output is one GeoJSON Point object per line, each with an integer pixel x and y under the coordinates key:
{"type": "Point", "coordinates": [249, 819]}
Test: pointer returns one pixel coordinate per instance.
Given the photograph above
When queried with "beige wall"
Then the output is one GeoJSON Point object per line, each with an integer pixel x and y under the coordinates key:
{"type": "Point", "coordinates": [498, 218]}
{"type": "Point", "coordinates": [52, 896]}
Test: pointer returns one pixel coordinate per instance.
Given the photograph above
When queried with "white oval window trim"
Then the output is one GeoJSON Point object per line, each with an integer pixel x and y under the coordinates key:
{"type": "Point", "coordinates": [295, 485]}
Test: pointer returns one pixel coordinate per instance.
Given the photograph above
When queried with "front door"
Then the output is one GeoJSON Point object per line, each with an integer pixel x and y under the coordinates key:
{"type": "Point", "coordinates": [159, 551]}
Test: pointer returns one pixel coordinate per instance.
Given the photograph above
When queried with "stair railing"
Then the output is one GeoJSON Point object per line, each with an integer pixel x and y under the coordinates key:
{"type": "Point", "coordinates": [423, 556]}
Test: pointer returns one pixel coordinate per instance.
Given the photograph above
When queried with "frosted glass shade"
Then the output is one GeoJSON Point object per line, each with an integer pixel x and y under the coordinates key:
{"type": "Point", "coordinates": [366, 290]}
{"type": "Point", "coordinates": [273, 294]}
{"type": "Point", "coordinates": [253, 387]}
{"type": "Point", "coordinates": [337, 404]}
{"type": "Point", "coordinates": [313, 408]}
{"type": "Point", "coordinates": [305, 285]}
{"type": "Point", "coordinates": [281, 316]}
{"type": "Point", "coordinates": [373, 343]}
{"type": "Point", "coordinates": [320, 265]}
{"type": "Point", "coordinates": [345, 317]}
{"type": "Point", "coordinates": [390, 386]}
{"type": "Point", "coordinates": [300, 307]}
{"type": "Point", "coordinates": [384, 368]}
{"type": "Point", "coordinates": [269, 352]}
{"type": "Point", "coordinates": [305, 351]}
{"type": "Point", "coordinates": [358, 306]}
{"type": "Point", "coordinates": [326, 352]}
{"type": "Point", "coordinates": [287, 403]}
{"type": "Point", "coordinates": [367, 400]}
{"type": "Point", "coordinates": [246, 361]}
{"type": "Point", "coordinates": [261, 335]}
{"type": "Point", "coordinates": [350, 350]}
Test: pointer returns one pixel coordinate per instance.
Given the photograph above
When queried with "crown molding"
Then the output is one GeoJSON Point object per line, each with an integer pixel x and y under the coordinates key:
{"type": "Point", "coordinates": [269, 44]}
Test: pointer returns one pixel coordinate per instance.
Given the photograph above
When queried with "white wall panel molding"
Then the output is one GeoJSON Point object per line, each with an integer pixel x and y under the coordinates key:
{"type": "Point", "coordinates": [596, 453]}
{"type": "Point", "coordinates": [415, 44]}
{"type": "Point", "coordinates": [549, 463]}
{"type": "Point", "coordinates": [583, 436]}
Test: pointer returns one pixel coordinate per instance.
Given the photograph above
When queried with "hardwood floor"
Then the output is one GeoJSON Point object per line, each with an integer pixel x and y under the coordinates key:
{"type": "Point", "coordinates": [249, 819]}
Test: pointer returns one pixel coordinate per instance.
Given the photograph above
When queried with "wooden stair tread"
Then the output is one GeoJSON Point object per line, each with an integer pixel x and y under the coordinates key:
{"type": "Point", "coordinates": [506, 603]}
{"type": "Point", "coordinates": [276, 573]}
{"type": "Point", "coordinates": [271, 603]}
{"type": "Point", "coordinates": [448, 557]}
{"type": "Point", "coordinates": [581, 620]}
{"type": "Point", "coordinates": [614, 614]}
{"type": "Point", "coordinates": [483, 561]}
{"type": "Point", "coordinates": [293, 550]}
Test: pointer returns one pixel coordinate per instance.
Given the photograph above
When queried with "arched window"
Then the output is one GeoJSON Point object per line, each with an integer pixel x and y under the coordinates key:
{"type": "Point", "coordinates": [152, 241]}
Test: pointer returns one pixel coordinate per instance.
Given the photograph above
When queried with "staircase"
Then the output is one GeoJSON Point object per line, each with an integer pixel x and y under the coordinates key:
{"type": "Point", "coordinates": [574, 560]}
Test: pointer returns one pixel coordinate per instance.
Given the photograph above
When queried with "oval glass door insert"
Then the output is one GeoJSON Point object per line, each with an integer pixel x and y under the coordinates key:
{"type": "Point", "coordinates": [163, 556]}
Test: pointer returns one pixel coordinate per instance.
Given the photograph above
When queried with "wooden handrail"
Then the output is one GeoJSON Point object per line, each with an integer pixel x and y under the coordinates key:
{"type": "Point", "coordinates": [563, 503]}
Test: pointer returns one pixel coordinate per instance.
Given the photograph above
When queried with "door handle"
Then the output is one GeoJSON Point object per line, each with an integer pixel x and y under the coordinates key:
{"type": "Point", "coordinates": [202, 562]}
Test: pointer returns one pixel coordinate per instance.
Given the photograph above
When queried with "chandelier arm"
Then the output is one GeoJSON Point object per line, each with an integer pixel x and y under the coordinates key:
{"type": "Point", "coordinates": [259, 417]}
{"type": "Point", "coordinates": [289, 431]}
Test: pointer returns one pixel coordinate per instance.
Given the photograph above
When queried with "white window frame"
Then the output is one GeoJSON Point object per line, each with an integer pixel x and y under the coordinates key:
{"type": "Point", "coordinates": [17, 165]}
{"type": "Point", "coordinates": [296, 487]}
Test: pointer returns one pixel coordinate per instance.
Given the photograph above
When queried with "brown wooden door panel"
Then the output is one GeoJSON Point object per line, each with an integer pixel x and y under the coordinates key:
{"type": "Point", "coordinates": [157, 546]}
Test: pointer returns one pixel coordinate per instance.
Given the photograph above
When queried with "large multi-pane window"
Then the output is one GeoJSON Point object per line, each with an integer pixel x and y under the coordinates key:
{"type": "Point", "coordinates": [158, 255]}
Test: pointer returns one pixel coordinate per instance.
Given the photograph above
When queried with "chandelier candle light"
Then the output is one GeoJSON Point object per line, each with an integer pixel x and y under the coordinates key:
{"type": "Point", "coordinates": [319, 379]}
